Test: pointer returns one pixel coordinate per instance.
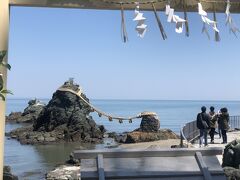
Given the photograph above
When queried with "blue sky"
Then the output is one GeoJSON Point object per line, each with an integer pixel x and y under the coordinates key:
{"type": "Point", "coordinates": [47, 46]}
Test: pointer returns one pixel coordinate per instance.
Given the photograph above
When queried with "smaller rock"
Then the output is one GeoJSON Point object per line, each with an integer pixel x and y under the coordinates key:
{"type": "Point", "coordinates": [13, 116]}
{"type": "Point", "coordinates": [102, 128]}
{"type": "Point", "coordinates": [7, 174]}
{"type": "Point", "coordinates": [232, 173]}
{"type": "Point", "coordinates": [47, 135]}
{"type": "Point", "coordinates": [29, 115]}
{"type": "Point", "coordinates": [50, 139]}
{"type": "Point", "coordinates": [149, 124]}
{"type": "Point", "coordinates": [14, 136]}
{"type": "Point", "coordinates": [72, 160]}
{"type": "Point", "coordinates": [119, 138]}
{"type": "Point", "coordinates": [40, 138]}
{"type": "Point", "coordinates": [231, 155]}
{"type": "Point", "coordinates": [32, 112]}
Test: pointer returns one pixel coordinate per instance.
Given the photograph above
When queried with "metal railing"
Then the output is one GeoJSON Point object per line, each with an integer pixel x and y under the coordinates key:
{"type": "Point", "coordinates": [190, 132]}
{"type": "Point", "coordinates": [234, 122]}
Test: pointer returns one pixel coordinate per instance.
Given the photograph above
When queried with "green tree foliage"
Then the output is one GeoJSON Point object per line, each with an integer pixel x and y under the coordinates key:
{"type": "Point", "coordinates": [3, 63]}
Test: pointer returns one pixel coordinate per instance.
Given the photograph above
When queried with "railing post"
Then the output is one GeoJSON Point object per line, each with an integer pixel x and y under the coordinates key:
{"type": "Point", "coordinates": [181, 140]}
{"type": "Point", "coordinates": [4, 31]}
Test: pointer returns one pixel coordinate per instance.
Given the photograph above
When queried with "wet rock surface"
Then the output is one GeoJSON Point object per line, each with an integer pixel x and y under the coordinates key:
{"type": "Point", "coordinates": [64, 118]}
{"type": "Point", "coordinates": [7, 174]}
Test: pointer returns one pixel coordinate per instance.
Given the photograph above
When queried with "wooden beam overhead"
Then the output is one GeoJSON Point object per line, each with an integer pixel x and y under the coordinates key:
{"type": "Point", "coordinates": [191, 5]}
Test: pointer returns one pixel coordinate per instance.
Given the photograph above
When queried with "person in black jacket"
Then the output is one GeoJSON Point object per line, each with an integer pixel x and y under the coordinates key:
{"type": "Point", "coordinates": [203, 124]}
{"type": "Point", "coordinates": [223, 123]}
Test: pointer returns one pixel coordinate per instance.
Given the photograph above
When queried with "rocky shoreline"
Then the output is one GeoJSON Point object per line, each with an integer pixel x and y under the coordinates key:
{"type": "Point", "coordinates": [66, 118]}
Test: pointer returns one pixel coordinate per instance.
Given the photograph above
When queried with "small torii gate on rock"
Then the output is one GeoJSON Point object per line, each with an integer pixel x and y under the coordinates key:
{"type": "Point", "coordinates": [189, 5]}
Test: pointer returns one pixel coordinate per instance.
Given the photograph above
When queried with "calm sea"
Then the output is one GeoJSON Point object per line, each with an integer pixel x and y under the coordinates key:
{"type": "Point", "coordinates": [32, 162]}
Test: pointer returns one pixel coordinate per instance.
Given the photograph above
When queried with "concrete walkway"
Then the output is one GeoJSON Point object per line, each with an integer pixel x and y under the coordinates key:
{"type": "Point", "coordinates": [218, 142]}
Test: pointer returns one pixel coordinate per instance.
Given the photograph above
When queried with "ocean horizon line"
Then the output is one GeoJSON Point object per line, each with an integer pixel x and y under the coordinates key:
{"type": "Point", "coordinates": [116, 99]}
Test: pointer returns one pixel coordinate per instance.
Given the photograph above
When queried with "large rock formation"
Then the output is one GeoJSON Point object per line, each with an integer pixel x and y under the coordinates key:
{"type": "Point", "coordinates": [64, 118]}
{"type": "Point", "coordinates": [29, 115]}
{"type": "Point", "coordinates": [231, 156]}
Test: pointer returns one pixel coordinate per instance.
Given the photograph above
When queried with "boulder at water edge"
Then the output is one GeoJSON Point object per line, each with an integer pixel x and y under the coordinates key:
{"type": "Point", "coordinates": [138, 136]}
{"type": "Point", "coordinates": [7, 174]}
{"type": "Point", "coordinates": [149, 124]}
{"type": "Point", "coordinates": [231, 156]}
{"type": "Point", "coordinates": [148, 131]}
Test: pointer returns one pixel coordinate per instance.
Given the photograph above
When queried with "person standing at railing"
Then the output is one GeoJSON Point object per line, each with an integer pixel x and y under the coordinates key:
{"type": "Point", "coordinates": [203, 124]}
{"type": "Point", "coordinates": [223, 123]}
{"type": "Point", "coordinates": [212, 123]}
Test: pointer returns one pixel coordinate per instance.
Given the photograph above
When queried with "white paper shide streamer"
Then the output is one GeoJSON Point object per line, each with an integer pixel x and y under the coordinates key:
{"type": "Point", "coordinates": [171, 17]}
{"type": "Point", "coordinates": [206, 20]}
{"type": "Point", "coordinates": [141, 28]}
{"type": "Point", "coordinates": [229, 20]}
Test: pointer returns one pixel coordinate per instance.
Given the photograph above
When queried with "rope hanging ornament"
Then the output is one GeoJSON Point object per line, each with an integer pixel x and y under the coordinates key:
{"type": "Point", "coordinates": [216, 32]}
{"type": "Point", "coordinates": [229, 20]}
{"type": "Point", "coordinates": [141, 28]}
{"type": "Point", "coordinates": [123, 26]}
{"type": "Point", "coordinates": [206, 20]}
{"type": "Point", "coordinates": [133, 2]}
{"type": "Point", "coordinates": [101, 113]}
{"type": "Point", "coordinates": [186, 18]}
{"type": "Point", "coordinates": [110, 118]}
{"type": "Point", "coordinates": [202, 13]}
{"type": "Point", "coordinates": [164, 36]}
{"type": "Point", "coordinates": [172, 18]}
{"type": "Point", "coordinates": [145, 2]}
